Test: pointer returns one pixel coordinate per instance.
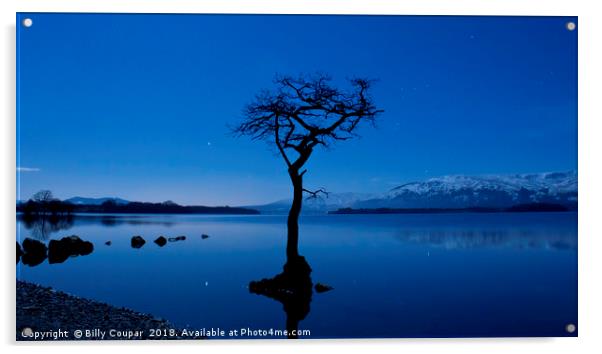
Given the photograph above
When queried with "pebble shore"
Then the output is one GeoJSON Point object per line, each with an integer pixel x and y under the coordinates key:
{"type": "Point", "coordinates": [43, 309]}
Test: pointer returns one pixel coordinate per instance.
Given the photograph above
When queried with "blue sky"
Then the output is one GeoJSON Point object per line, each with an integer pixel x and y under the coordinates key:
{"type": "Point", "coordinates": [137, 106]}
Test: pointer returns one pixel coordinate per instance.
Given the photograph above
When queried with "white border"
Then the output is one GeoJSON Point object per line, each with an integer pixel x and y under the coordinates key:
{"type": "Point", "coordinates": [590, 176]}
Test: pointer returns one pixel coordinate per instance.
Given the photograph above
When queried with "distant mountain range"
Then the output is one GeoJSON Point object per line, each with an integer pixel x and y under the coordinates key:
{"type": "Point", "coordinates": [446, 192]}
{"type": "Point", "coordinates": [315, 205]}
{"type": "Point", "coordinates": [457, 191]}
{"type": "Point", "coordinates": [82, 205]}
{"type": "Point", "coordinates": [480, 191]}
{"type": "Point", "coordinates": [94, 201]}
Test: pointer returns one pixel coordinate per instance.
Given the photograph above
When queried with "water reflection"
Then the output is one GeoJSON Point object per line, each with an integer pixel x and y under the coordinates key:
{"type": "Point", "coordinates": [292, 288]}
{"type": "Point", "coordinates": [489, 238]}
{"type": "Point", "coordinates": [41, 227]}
{"type": "Point", "coordinates": [117, 220]}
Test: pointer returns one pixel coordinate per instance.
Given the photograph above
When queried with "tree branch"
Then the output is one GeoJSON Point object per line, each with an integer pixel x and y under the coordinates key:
{"type": "Point", "coordinates": [278, 143]}
{"type": "Point", "coordinates": [314, 194]}
{"type": "Point", "coordinates": [302, 113]}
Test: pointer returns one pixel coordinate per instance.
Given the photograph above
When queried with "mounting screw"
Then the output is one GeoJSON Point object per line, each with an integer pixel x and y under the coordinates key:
{"type": "Point", "coordinates": [571, 26]}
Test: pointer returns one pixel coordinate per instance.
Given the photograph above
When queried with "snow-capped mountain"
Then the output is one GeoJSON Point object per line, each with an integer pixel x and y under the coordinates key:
{"type": "Point", "coordinates": [480, 191]}
{"type": "Point", "coordinates": [456, 191]}
{"type": "Point", "coordinates": [318, 205]}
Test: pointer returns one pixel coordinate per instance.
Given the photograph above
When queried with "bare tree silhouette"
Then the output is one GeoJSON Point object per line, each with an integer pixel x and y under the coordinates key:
{"type": "Point", "coordinates": [299, 115]}
{"type": "Point", "coordinates": [43, 196]}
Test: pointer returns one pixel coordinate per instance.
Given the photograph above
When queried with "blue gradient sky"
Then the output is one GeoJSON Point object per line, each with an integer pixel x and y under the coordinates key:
{"type": "Point", "coordinates": [137, 106]}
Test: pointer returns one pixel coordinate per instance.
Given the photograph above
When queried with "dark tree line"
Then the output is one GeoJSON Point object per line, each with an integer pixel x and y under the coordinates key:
{"type": "Point", "coordinates": [43, 204]}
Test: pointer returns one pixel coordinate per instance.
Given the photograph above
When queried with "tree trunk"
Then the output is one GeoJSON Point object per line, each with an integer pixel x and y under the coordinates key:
{"type": "Point", "coordinates": [292, 251]}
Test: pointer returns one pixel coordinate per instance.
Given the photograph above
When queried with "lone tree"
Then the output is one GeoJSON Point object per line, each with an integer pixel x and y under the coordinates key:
{"type": "Point", "coordinates": [43, 196]}
{"type": "Point", "coordinates": [299, 115]}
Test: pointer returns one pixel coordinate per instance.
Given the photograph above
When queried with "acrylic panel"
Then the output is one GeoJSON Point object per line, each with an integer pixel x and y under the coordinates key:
{"type": "Point", "coordinates": [295, 176]}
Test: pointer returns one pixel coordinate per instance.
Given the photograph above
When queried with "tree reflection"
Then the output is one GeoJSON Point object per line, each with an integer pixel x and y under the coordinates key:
{"type": "Point", "coordinates": [292, 288]}
{"type": "Point", "coordinates": [42, 226]}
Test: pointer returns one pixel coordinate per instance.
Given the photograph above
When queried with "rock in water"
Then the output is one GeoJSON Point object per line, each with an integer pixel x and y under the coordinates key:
{"type": "Point", "coordinates": [33, 246]}
{"type": "Point", "coordinates": [70, 246]}
{"type": "Point", "coordinates": [34, 252]}
{"type": "Point", "coordinates": [161, 241]}
{"type": "Point", "coordinates": [322, 288]}
{"type": "Point", "coordinates": [204, 236]}
{"type": "Point", "coordinates": [137, 242]}
{"type": "Point", "coordinates": [179, 238]}
{"type": "Point", "coordinates": [19, 252]}
{"type": "Point", "coordinates": [108, 243]}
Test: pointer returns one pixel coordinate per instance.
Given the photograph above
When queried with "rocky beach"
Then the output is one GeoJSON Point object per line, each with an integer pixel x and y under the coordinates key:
{"type": "Point", "coordinates": [55, 315]}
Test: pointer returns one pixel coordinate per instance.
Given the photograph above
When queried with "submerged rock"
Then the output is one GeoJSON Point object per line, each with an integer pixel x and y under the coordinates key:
{"type": "Point", "coordinates": [34, 252]}
{"type": "Point", "coordinates": [204, 236]}
{"type": "Point", "coordinates": [322, 288]}
{"type": "Point", "coordinates": [70, 246]}
{"type": "Point", "coordinates": [179, 238]}
{"type": "Point", "coordinates": [161, 241]}
{"type": "Point", "coordinates": [137, 242]}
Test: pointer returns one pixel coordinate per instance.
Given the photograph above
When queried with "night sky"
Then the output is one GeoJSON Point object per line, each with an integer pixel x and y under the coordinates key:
{"type": "Point", "coordinates": [138, 106]}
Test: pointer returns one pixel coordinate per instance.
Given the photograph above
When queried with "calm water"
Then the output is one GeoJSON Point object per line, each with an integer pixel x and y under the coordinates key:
{"type": "Point", "coordinates": [440, 275]}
